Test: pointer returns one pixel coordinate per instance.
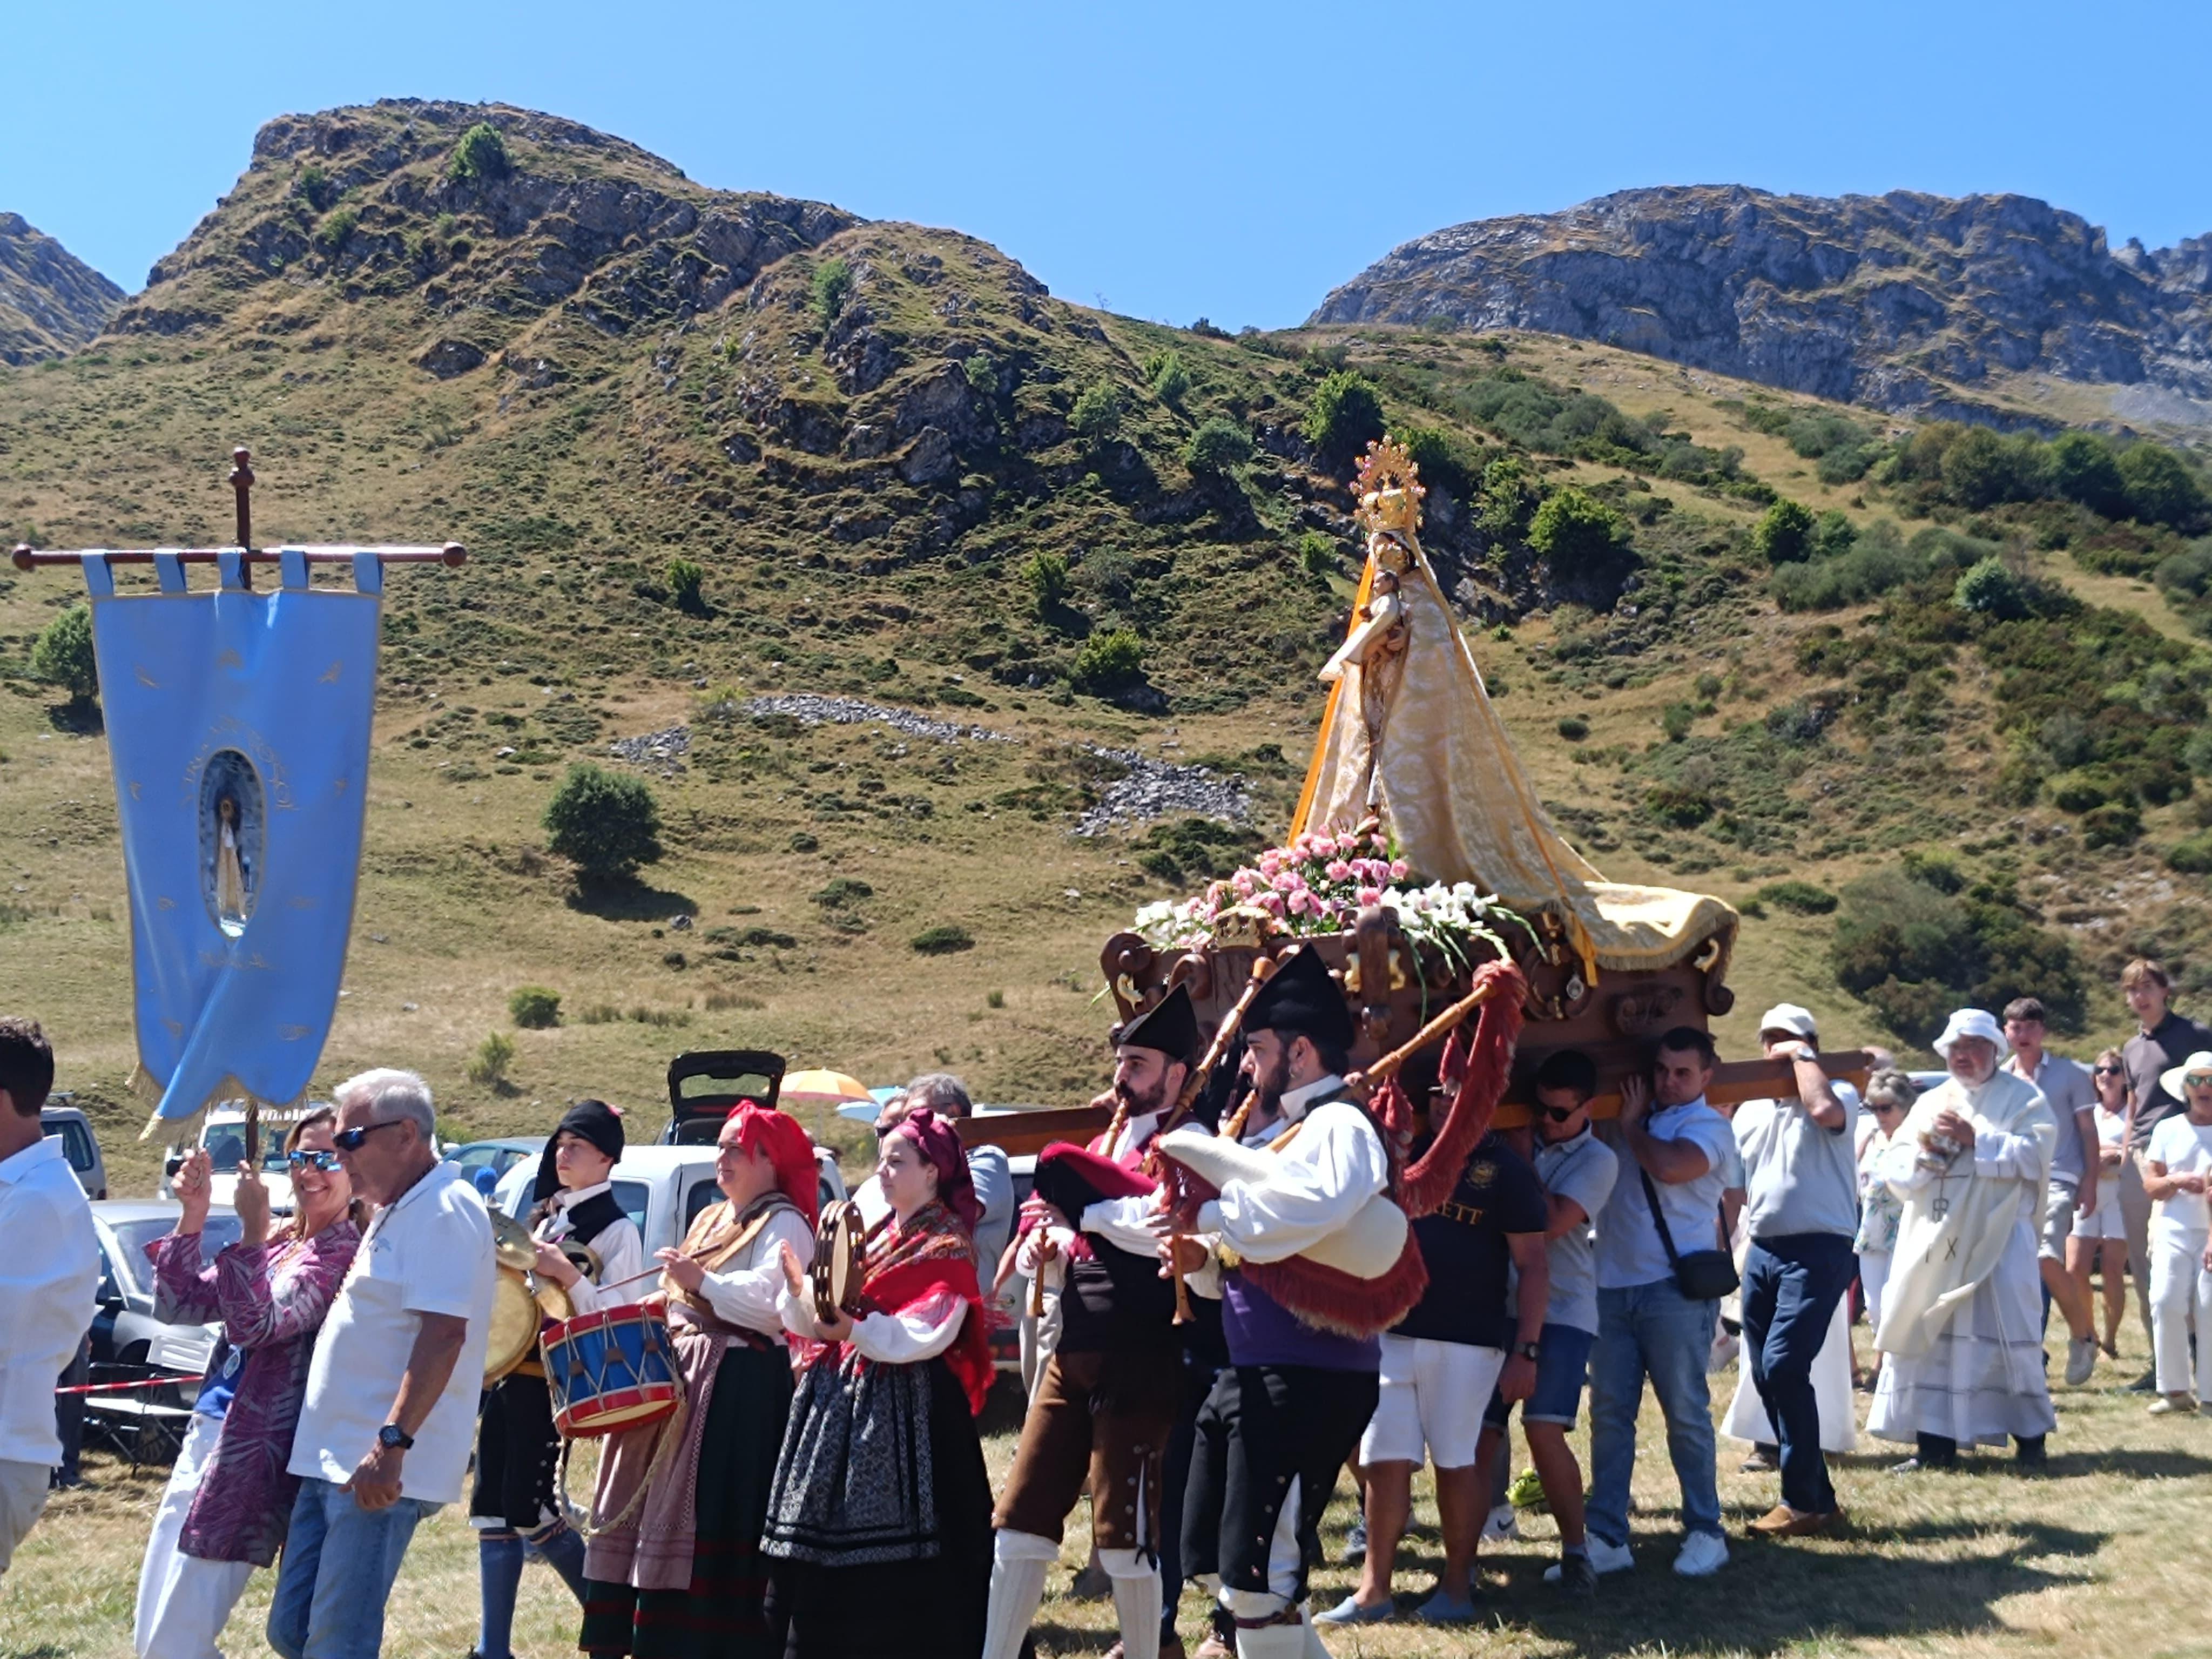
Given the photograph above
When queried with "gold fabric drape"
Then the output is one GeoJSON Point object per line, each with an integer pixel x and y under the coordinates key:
{"type": "Point", "coordinates": [1461, 808]}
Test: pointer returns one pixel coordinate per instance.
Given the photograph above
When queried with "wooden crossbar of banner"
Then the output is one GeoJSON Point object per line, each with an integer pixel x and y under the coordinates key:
{"type": "Point", "coordinates": [26, 557]}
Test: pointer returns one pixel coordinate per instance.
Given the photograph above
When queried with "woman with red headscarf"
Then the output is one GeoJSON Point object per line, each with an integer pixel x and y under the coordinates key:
{"type": "Point", "coordinates": [879, 1527]}
{"type": "Point", "coordinates": [683, 1577]}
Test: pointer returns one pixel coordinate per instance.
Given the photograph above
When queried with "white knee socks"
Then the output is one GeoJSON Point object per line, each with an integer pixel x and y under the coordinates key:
{"type": "Point", "coordinates": [1136, 1601]}
{"type": "Point", "coordinates": [1019, 1561]}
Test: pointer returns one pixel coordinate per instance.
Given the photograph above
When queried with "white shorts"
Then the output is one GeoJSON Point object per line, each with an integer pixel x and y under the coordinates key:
{"type": "Point", "coordinates": [1433, 1395]}
{"type": "Point", "coordinates": [2107, 1221]}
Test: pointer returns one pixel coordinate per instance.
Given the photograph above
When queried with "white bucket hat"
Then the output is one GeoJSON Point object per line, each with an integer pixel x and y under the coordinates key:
{"type": "Point", "coordinates": [2172, 1081]}
{"type": "Point", "coordinates": [1973, 1023]}
{"type": "Point", "coordinates": [1789, 1017]}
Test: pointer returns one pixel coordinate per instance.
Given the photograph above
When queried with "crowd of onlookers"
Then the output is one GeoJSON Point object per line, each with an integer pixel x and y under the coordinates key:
{"type": "Point", "coordinates": [1642, 1251]}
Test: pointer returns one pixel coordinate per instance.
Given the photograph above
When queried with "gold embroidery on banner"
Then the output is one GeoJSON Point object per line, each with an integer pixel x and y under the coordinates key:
{"type": "Point", "coordinates": [145, 679]}
{"type": "Point", "coordinates": [330, 676]}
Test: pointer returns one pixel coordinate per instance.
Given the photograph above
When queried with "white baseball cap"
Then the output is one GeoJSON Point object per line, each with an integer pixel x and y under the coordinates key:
{"type": "Point", "coordinates": [1789, 1017]}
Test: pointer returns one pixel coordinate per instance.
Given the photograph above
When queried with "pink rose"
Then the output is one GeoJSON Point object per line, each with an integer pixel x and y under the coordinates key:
{"type": "Point", "coordinates": [1398, 868]}
{"type": "Point", "coordinates": [1243, 884]}
{"type": "Point", "coordinates": [1371, 896]}
{"type": "Point", "coordinates": [1339, 870]}
{"type": "Point", "coordinates": [1272, 903]}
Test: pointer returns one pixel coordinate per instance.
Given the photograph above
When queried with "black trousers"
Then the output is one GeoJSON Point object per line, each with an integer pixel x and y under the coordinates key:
{"type": "Point", "coordinates": [1263, 1427]}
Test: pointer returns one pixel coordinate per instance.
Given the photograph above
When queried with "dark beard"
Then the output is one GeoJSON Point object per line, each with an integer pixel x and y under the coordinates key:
{"type": "Point", "coordinates": [1139, 1105]}
{"type": "Point", "coordinates": [1270, 1086]}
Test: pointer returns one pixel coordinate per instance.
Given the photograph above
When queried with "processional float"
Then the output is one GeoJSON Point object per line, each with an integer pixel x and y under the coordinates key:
{"type": "Point", "coordinates": [1468, 937]}
{"type": "Point", "coordinates": [238, 725]}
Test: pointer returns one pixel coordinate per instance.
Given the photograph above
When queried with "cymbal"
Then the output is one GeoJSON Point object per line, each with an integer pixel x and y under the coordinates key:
{"type": "Point", "coordinates": [511, 1244]}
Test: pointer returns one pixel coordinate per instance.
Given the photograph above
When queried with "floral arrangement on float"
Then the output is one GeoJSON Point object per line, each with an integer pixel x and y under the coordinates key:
{"type": "Point", "coordinates": [1319, 884]}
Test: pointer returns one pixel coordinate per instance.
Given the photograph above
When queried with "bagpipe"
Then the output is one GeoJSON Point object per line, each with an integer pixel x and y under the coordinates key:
{"type": "Point", "coordinates": [1368, 1274]}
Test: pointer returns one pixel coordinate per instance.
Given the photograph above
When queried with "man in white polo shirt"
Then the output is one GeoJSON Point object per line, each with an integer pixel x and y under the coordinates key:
{"type": "Point", "coordinates": [384, 1435]}
{"type": "Point", "coordinates": [47, 1278]}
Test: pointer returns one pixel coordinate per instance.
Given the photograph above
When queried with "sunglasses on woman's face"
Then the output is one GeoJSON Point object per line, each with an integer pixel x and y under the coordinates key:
{"type": "Point", "coordinates": [318, 1159]}
{"type": "Point", "coordinates": [2108, 1071]}
{"type": "Point", "coordinates": [1887, 1106]}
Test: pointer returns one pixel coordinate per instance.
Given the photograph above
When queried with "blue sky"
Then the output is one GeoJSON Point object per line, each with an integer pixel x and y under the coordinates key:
{"type": "Point", "coordinates": [1234, 160]}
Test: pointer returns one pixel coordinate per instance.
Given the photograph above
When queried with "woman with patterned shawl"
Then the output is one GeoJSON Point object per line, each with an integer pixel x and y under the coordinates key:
{"type": "Point", "coordinates": [879, 1532]}
{"type": "Point", "coordinates": [229, 1501]}
{"type": "Point", "coordinates": [680, 1576]}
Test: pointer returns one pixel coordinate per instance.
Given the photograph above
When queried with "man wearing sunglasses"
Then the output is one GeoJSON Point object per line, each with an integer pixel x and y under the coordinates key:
{"type": "Point", "coordinates": [390, 1416]}
{"type": "Point", "coordinates": [1577, 1171]}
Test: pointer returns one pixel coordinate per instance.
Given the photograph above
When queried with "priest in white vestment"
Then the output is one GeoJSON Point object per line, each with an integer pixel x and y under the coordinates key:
{"type": "Point", "coordinates": [1961, 1318]}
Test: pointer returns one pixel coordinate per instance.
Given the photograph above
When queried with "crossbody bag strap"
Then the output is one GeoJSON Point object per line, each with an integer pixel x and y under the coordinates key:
{"type": "Point", "coordinates": [1658, 1217]}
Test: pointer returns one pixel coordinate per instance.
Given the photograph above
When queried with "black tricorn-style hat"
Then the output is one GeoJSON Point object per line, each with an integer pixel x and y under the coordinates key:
{"type": "Point", "coordinates": [1169, 1026]}
{"type": "Point", "coordinates": [1302, 999]}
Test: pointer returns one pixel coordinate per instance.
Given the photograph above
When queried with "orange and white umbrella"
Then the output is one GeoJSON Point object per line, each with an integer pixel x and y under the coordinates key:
{"type": "Point", "coordinates": [821, 1088]}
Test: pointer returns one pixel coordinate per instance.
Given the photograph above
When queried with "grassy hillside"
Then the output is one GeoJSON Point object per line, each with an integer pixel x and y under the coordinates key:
{"type": "Point", "coordinates": [909, 475]}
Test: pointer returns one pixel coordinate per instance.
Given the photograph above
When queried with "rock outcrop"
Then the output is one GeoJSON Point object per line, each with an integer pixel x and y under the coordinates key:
{"type": "Point", "coordinates": [1904, 302]}
{"type": "Point", "coordinates": [50, 302]}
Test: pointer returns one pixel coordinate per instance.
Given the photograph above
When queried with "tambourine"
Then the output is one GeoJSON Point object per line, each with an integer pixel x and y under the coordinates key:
{"type": "Point", "coordinates": [839, 1241]}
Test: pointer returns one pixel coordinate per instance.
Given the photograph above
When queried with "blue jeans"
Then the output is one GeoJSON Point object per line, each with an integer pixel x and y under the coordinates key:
{"type": "Point", "coordinates": [1791, 1288]}
{"type": "Point", "coordinates": [340, 1561]}
{"type": "Point", "coordinates": [1651, 1331]}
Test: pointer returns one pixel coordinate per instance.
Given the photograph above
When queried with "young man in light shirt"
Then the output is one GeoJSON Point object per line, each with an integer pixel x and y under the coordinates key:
{"type": "Point", "coordinates": [2072, 1189]}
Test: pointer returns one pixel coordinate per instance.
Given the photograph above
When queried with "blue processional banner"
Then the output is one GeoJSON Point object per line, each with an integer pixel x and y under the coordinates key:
{"type": "Point", "coordinates": [238, 724]}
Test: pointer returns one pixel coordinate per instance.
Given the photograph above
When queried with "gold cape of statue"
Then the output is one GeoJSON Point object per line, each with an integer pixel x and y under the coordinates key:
{"type": "Point", "coordinates": [1410, 734]}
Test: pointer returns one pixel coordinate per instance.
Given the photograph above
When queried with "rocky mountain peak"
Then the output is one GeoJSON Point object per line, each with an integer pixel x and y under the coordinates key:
{"type": "Point", "coordinates": [381, 201]}
{"type": "Point", "coordinates": [50, 302]}
{"type": "Point", "coordinates": [1907, 301]}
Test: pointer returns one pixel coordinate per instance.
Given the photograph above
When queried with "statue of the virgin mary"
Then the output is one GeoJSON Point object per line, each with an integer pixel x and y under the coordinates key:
{"type": "Point", "coordinates": [1410, 735]}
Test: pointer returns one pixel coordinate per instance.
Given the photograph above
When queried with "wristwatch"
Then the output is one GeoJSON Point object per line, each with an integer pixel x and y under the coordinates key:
{"type": "Point", "coordinates": [1527, 1350]}
{"type": "Point", "coordinates": [392, 1438]}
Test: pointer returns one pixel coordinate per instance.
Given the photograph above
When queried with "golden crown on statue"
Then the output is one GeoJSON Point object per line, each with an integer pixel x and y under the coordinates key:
{"type": "Point", "coordinates": [1389, 489]}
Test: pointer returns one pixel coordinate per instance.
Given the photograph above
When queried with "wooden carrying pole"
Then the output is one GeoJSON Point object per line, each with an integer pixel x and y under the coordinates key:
{"type": "Point", "coordinates": [1733, 1081]}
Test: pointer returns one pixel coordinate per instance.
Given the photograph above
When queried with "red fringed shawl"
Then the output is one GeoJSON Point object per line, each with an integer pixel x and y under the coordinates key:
{"type": "Point", "coordinates": [928, 1260]}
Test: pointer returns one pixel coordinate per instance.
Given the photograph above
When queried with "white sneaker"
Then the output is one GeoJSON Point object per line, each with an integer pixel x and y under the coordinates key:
{"type": "Point", "coordinates": [1703, 1553]}
{"type": "Point", "coordinates": [1604, 1557]}
{"type": "Point", "coordinates": [1503, 1524]}
{"type": "Point", "coordinates": [2081, 1360]}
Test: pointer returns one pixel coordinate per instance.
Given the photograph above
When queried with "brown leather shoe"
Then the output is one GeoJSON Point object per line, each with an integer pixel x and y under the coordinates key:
{"type": "Point", "coordinates": [1783, 1522]}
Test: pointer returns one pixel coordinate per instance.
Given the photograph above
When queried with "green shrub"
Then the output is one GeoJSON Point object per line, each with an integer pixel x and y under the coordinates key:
{"type": "Point", "coordinates": [1913, 952]}
{"type": "Point", "coordinates": [534, 1008]}
{"type": "Point", "coordinates": [2159, 489]}
{"type": "Point", "coordinates": [1785, 534]}
{"type": "Point", "coordinates": [1165, 374]}
{"type": "Point", "coordinates": [1445, 462]}
{"type": "Point", "coordinates": [1573, 727]}
{"type": "Point", "coordinates": [1316, 553]}
{"type": "Point", "coordinates": [63, 654]}
{"type": "Point", "coordinates": [1096, 415]}
{"type": "Point", "coordinates": [1047, 574]}
{"type": "Point", "coordinates": [336, 230]}
{"type": "Point", "coordinates": [685, 579]}
{"type": "Point", "coordinates": [482, 153]}
{"type": "Point", "coordinates": [1218, 444]}
{"type": "Point", "coordinates": [2084, 470]}
{"type": "Point", "coordinates": [943, 939]}
{"type": "Point", "coordinates": [828, 288]}
{"type": "Point", "coordinates": [1345, 414]}
{"type": "Point", "coordinates": [1990, 588]}
{"type": "Point", "coordinates": [1833, 535]}
{"type": "Point", "coordinates": [2079, 792]}
{"type": "Point", "coordinates": [1846, 466]}
{"type": "Point", "coordinates": [1574, 530]}
{"type": "Point", "coordinates": [1676, 720]}
{"type": "Point", "coordinates": [314, 186]}
{"type": "Point", "coordinates": [1679, 806]}
{"type": "Point", "coordinates": [982, 372]}
{"type": "Point", "coordinates": [493, 1056]}
{"type": "Point", "coordinates": [2116, 824]}
{"type": "Point", "coordinates": [1508, 499]}
{"type": "Point", "coordinates": [843, 892]}
{"type": "Point", "coordinates": [604, 824]}
{"type": "Point", "coordinates": [1799, 897]}
{"type": "Point", "coordinates": [2192, 857]}
{"type": "Point", "coordinates": [1110, 661]}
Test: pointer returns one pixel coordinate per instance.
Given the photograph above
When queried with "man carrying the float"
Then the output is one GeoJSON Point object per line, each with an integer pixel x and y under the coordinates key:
{"type": "Point", "coordinates": [1106, 1403]}
{"type": "Point", "coordinates": [1283, 1418]}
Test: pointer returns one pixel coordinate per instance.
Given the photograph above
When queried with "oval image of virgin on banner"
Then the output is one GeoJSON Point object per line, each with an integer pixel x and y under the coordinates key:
{"type": "Point", "coordinates": [232, 820]}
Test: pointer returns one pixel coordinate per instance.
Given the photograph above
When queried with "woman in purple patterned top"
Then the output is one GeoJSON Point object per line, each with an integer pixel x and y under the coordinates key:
{"type": "Point", "coordinates": [229, 1499]}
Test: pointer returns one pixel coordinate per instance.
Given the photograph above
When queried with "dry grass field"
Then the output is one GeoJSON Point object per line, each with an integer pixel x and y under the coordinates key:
{"type": "Point", "coordinates": [2097, 1559]}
